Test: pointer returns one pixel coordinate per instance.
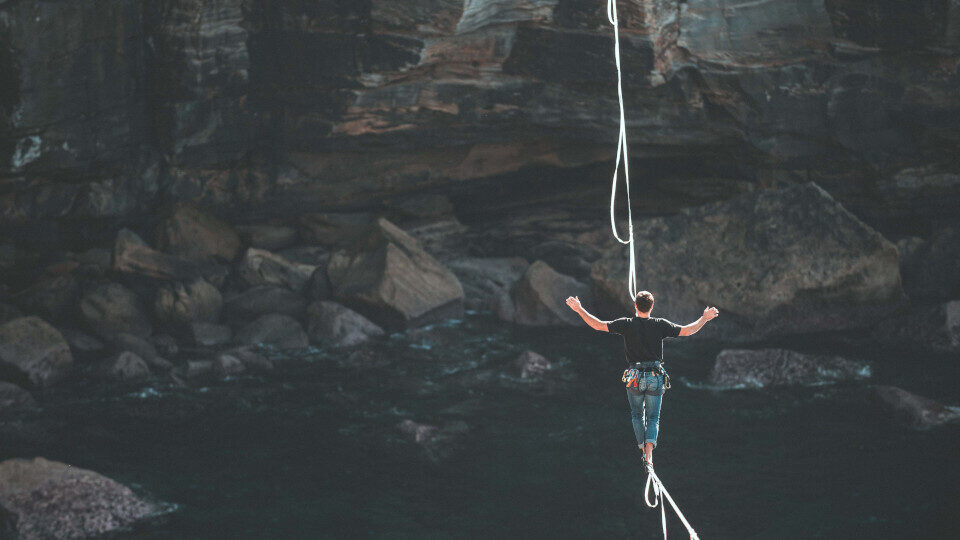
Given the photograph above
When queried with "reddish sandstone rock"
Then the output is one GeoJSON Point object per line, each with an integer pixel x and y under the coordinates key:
{"type": "Point", "coordinates": [190, 233]}
{"type": "Point", "coordinates": [131, 255]}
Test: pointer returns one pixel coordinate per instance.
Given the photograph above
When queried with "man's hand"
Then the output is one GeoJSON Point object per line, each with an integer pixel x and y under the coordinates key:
{"type": "Point", "coordinates": [593, 322]}
{"type": "Point", "coordinates": [709, 313]}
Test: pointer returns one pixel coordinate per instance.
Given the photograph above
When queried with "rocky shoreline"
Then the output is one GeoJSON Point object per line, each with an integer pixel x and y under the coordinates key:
{"type": "Point", "coordinates": [193, 192]}
{"type": "Point", "coordinates": [204, 294]}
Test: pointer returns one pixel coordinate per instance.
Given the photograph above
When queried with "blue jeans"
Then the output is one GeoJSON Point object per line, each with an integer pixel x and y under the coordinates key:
{"type": "Point", "coordinates": [645, 402]}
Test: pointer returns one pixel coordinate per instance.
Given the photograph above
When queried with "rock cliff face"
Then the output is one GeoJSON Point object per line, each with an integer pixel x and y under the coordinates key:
{"type": "Point", "coordinates": [259, 108]}
{"type": "Point", "coordinates": [773, 261]}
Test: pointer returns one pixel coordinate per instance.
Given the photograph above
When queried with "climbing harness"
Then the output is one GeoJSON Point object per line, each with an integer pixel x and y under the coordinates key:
{"type": "Point", "coordinates": [622, 151]}
{"type": "Point", "coordinates": [659, 493]}
{"type": "Point", "coordinates": [631, 376]}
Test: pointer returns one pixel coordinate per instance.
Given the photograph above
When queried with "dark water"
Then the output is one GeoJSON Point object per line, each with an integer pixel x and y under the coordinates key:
{"type": "Point", "coordinates": [312, 449]}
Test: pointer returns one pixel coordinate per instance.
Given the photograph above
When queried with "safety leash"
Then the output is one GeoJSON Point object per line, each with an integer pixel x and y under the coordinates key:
{"type": "Point", "coordinates": [622, 151]}
{"type": "Point", "coordinates": [659, 493]}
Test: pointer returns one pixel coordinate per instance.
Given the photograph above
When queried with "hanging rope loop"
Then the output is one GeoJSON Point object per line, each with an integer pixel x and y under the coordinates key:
{"type": "Point", "coordinates": [622, 155]}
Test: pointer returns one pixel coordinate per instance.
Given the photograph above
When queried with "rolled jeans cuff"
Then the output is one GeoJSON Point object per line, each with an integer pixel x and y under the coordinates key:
{"type": "Point", "coordinates": [653, 442]}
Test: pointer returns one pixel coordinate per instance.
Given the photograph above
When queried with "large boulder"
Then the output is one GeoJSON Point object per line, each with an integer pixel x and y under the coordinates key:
{"type": "Point", "coordinates": [178, 305]}
{"type": "Point", "coordinates": [330, 322]}
{"type": "Point", "coordinates": [131, 255]}
{"type": "Point", "coordinates": [111, 308]}
{"type": "Point", "coordinates": [539, 298]}
{"type": "Point", "coordinates": [913, 410]}
{"type": "Point", "coordinates": [128, 366]}
{"type": "Point", "coordinates": [389, 278]}
{"type": "Point", "coordinates": [49, 499]}
{"type": "Point", "coordinates": [257, 301]}
{"type": "Point", "coordinates": [775, 262]}
{"type": "Point", "coordinates": [739, 368]}
{"type": "Point", "coordinates": [486, 280]}
{"type": "Point", "coordinates": [932, 327]}
{"type": "Point", "coordinates": [275, 329]}
{"type": "Point", "coordinates": [260, 267]}
{"type": "Point", "coordinates": [188, 232]}
{"type": "Point", "coordinates": [32, 350]}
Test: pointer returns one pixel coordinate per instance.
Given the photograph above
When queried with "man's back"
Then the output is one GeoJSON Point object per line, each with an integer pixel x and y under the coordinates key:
{"type": "Point", "coordinates": [643, 336]}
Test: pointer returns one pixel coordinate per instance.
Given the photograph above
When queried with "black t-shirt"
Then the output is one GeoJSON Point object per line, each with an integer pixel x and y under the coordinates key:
{"type": "Point", "coordinates": [643, 336]}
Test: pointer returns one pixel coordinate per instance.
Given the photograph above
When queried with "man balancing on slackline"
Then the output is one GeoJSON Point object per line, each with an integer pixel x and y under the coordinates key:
{"type": "Point", "coordinates": [646, 379]}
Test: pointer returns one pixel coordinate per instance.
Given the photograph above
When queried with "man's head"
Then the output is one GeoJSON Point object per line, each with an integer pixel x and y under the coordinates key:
{"type": "Point", "coordinates": [644, 302]}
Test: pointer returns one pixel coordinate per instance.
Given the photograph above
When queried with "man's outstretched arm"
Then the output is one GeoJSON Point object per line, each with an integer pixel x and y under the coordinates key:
{"type": "Point", "coordinates": [708, 314]}
{"type": "Point", "coordinates": [595, 323]}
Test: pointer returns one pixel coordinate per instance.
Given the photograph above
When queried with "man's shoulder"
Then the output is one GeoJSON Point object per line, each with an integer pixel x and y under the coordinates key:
{"type": "Point", "coordinates": [619, 326]}
{"type": "Point", "coordinates": [659, 321]}
{"type": "Point", "coordinates": [668, 327]}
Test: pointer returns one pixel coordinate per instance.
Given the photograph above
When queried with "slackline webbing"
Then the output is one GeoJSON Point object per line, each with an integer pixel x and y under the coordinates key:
{"type": "Point", "coordinates": [659, 493]}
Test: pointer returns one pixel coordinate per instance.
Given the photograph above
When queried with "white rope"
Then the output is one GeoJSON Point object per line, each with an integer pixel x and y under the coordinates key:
{"type": "Point", "coordinates": [622, 151]}
{"type": "Point", "coordinates": [659, 492]}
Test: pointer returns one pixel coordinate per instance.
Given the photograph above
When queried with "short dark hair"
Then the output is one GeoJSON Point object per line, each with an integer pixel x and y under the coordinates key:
{"type": "Point", "coordinates": [644, 301]}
